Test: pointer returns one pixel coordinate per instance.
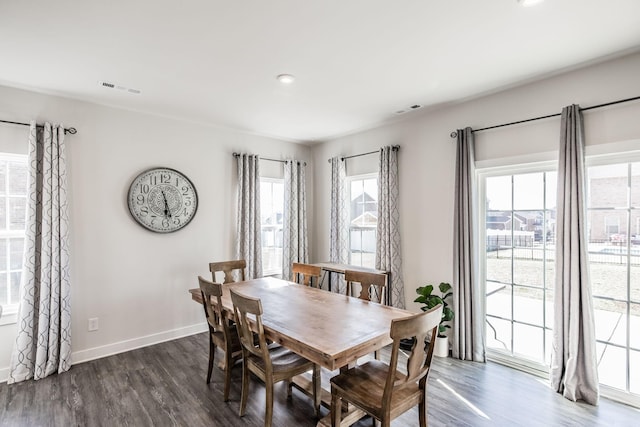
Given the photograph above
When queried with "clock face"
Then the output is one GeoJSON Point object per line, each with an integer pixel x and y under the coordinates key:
{"type": "Point", "coordinates": [162, 200]}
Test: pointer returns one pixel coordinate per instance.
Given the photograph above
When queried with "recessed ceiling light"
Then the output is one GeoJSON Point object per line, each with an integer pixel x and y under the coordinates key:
{"type": "Point", "coordinates": [286, 78]}
{"type": "Point", "coordinates": [527, 3]}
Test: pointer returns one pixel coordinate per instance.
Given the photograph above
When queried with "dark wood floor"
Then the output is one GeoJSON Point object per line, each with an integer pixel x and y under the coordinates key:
{"type": "Point", "coordinates": [164, 385]}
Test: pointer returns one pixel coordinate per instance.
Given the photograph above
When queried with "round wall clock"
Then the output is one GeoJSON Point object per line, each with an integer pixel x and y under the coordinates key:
{"type": "Point", "coordinates": [162, 200]}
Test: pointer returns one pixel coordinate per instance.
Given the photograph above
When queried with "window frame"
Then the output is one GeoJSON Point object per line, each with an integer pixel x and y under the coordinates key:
{"type": "Point", "coordinates": [274, 271]}
{"type": "Point", "coordinates": [349, 180]}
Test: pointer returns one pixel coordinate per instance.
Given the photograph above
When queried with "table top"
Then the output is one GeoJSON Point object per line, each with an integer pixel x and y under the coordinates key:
{"type": "Point", "coordinates": [329, 329]}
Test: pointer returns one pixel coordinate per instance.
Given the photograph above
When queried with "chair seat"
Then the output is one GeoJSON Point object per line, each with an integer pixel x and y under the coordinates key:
{"type": "Point", "coordinates": [364, 386]}
{"type": "Point", "coordinates": [282, 360]}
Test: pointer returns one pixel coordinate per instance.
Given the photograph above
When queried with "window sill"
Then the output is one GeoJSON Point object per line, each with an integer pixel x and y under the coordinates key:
{"type": "Point", "coordinates": [9, 315]}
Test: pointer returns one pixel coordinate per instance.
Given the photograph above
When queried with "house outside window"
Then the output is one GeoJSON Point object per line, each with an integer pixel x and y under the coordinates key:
{"type": "Point", "coordinates": [13, 202]}
{"type": "Point", "coordinates": [363, 219]}
{"type": "Point", "coordinates": [271, 220]}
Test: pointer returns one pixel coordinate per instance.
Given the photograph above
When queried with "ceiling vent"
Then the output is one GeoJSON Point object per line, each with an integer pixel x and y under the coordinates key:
{"type": "Point", "coordinates": [118, 87]}
{"type": "Point", "coordinates": [409, 108]}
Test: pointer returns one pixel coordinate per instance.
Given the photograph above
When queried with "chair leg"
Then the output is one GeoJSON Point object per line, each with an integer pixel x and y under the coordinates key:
{"type": "Point", "coordinates": [289, 388]}
{"type": "Point", "coordinates": [268, 415]}
{"type": "Point", "coordinates": [227, 374]}
{"type": "Point", "coordinates": [245, 387]}
{"type": "Point", "coordinates": [212, 356]}
{"type": "Point", "coordinates": [317, 390]}
{"type": "Point", "coordinates": [422, 412]}
{"type": "Point", "coordinates": [336, 410]}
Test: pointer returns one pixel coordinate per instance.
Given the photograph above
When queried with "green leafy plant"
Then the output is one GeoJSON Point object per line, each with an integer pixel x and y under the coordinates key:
{"type": "Point", "coordinates": [430, 300]}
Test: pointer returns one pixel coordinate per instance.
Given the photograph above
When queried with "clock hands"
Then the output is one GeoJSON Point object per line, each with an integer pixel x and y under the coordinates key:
{"type": "Point", "coordinates": [167, 212]}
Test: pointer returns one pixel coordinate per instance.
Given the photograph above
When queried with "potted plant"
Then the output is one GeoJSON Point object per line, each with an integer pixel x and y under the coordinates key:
{"type": "Point", "coordinates": [427, 297]}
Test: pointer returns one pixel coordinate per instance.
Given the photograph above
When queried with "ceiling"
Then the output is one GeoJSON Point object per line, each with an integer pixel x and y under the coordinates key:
{"type": "Point", "coordinates": [356, 62]}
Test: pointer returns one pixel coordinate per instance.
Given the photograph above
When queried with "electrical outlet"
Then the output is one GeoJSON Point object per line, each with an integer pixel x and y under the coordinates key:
{"type": "Point", "coordinates": [93, 324]}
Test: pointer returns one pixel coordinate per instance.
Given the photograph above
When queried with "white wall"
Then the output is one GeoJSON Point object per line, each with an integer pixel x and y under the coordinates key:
{"type": "Point", "coordinates": [133, 280]}
{"type": "Point", "coordinates": [427, 154]}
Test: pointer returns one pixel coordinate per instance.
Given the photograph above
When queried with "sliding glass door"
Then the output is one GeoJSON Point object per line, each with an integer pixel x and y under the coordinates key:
{"type": "Point", "coordinates": [518, 220]}
{"type": "Point", "coordinates": [518, 226]}
{"type": "Point", "coordinates": [614, 259]}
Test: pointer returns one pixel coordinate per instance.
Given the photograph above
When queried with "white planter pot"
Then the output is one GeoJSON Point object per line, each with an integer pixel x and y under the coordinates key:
{"type": "Point", "coordinates": [442, 347]}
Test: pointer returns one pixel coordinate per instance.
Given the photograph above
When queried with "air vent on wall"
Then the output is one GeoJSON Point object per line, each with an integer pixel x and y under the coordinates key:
{"type": "Point", "coordinates": [118, 87]}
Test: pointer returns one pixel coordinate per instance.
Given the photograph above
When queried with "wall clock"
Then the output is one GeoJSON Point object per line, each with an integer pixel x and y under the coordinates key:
{"type": "Point", "coordinates": [162, 200]}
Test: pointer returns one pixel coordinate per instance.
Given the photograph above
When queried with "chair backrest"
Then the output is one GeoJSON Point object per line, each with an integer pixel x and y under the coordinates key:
{"type": "Point", "coordinates": [215, 315]}
{"type": "Point", "coordinates": [419, 360]}
{"type": "Point", "coordinates": [305, 272]}
{"type": "Point", "coordinates": [228, 267]}
{"type": "Point", "coordinates": [369, 282]}
{"type": "Point", "coordinates": [243, 306]}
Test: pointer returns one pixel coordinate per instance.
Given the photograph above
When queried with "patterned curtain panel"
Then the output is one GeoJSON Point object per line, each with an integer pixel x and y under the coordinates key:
{"type": "Point", "coordinates": [574, 370]}
{"type": "Point", "coordinates": [468, 295]}
{"type": "Point", "coordinates": [43, 345]}
{"type": "Point", "coordinates": [339, 235]}
{"type": "Point", "coordinates": [295, 217]}
{"type": "Point", "coordinates": [388, 255]}
{"type": "Point", "coordinates": [249, 237]}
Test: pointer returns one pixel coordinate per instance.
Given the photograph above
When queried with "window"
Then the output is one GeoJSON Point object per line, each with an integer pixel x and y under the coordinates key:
{"type": "Point", "coordinates": [271, 220]}
{"type": "Point", "coordinates": [519, 225]}
{"type": "Point", "coordinates": [363, 219]}
{"type": "Point", "coordinates": [13, 202]}
{"type": "Point", "coordinates": [613, 209]}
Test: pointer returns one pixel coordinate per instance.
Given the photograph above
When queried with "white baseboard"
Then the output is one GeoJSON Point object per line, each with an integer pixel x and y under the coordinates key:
{"type": "Point", "coordinates": [127, 345]}
{"type": "Point", "coordinates": [132, 344]}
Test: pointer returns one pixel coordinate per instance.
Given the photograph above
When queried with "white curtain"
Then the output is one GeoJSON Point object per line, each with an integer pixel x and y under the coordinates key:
{"type": "Point", "coordinates": [295, 217]}
{"type": "Point", "coordinates": [574, 371]}
{"type": "Point", "coordinates": [249, 242]}
{"type": "Point", "coordinates": [43, 344]}
{"type": "Point", "coordinates": [339, 234]}
{"type": "Point", "coordinates": [468, 294]}
{"type": "Point", "coordinates": [388, 254]}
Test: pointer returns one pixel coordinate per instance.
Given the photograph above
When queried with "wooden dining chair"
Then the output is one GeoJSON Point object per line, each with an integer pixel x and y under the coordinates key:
{"type": "Point", "coordinates": [229, 268]}
{"type": "Point", "coordinates": [372, 288]}
{"type": "Point", "coordinates": [383, 391]}
{"type": "Point", "coordinates": [372, 285]}
{"type": "Point", "coordinates": [221, 333]}
{"type": "Point", "coordinates": [305, 273]}
{"type": "Point", "coordinates": [270, 364]}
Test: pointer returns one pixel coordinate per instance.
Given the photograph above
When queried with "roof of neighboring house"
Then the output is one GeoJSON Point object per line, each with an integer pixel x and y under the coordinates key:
{"type": "Point", "coordinates": [367, 219]}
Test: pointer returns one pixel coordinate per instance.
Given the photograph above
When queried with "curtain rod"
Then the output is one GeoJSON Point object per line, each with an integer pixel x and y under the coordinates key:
{"type": "Point", "coordinates": [236, 155]}
{"type": "Point", "coordinates": [72, 131]}
{"type": "Point", "coordinates": [454, 134]}
{"type": "Point", "coordinates": [393, 147]}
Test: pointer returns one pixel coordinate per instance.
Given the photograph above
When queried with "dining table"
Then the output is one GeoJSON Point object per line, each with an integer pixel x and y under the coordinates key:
{"type": "Point", "coordinates": [327, 328]}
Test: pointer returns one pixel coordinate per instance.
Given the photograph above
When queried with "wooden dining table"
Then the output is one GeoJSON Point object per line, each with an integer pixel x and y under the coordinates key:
{"type": "Point", "coordinates": [329, 329]}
